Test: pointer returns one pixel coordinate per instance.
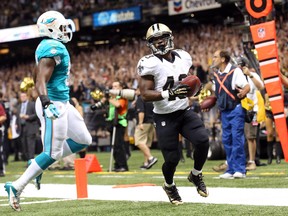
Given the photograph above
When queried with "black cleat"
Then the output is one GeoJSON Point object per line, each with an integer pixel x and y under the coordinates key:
{"type": "Point", "coordinates": [173, 195]}
{"type": "Point", "coordinates": [198, 182]}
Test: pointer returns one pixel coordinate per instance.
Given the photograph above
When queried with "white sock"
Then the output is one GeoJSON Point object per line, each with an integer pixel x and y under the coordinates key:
{"type": "Point", "coordinates": [30, 173]}
{"type": "Point", "coordinates": [150, 158]}
{"type": "Point", "coordinates": [196, 172]}
{"type": "Point", "coordinates": [169, 185]}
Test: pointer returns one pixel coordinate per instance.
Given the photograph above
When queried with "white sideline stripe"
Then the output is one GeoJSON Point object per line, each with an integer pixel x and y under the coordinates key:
{"type": "Point", "coordinates": [37, 202]}
{"type": "Point", "coordinates": [218, 195]}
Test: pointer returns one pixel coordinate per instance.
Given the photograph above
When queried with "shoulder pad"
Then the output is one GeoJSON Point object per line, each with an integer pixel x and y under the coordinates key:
{"type": "Point", "coordinates": [50, 48]}
{"type": "Point", "coordinates": [183, 53]}
{"type": "Point", "coordinates": [147, 64]}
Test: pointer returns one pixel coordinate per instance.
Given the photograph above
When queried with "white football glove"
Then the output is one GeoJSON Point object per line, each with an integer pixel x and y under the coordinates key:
{"type": "Point", "coordinates": [51, 111]}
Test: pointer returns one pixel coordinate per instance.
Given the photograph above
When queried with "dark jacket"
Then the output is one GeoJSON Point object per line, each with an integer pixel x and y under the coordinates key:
{"type": "Point", "coordinates": [31, 125]}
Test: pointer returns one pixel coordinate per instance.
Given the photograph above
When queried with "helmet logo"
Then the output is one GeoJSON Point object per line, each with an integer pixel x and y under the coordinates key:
{"type": "Point", "coordinates": [49, 21]}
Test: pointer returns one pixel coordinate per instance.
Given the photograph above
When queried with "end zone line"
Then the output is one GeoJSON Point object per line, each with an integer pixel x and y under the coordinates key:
{"type": "Point", "coordinates": [43, 201]}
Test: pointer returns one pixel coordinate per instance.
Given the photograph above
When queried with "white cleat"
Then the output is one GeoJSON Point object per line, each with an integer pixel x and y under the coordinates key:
{"type": "Point", "coordinates": [13, 196]}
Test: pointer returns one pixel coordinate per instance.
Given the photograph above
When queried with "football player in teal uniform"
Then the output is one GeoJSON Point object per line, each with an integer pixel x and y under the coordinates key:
{"type": "Point", "coordinates": [63, 130]}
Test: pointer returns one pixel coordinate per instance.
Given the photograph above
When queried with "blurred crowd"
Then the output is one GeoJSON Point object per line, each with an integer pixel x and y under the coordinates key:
{"type": "Point", "coordinates": [100, 66]}
{"type": "Point", "coordinates": [32, 9]}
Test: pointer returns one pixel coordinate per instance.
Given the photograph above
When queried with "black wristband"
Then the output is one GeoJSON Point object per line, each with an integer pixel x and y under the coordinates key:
{"type": "Point", "coordinates": [44, 100]}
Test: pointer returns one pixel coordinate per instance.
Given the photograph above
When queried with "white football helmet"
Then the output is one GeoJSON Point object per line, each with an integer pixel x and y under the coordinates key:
{"type": "Point", "coordinates": [54, 25]}
{"type": "Point", "coordinates": [159, 39]}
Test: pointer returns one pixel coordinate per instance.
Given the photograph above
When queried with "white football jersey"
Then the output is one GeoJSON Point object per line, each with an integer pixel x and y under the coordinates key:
{"type": "Point", "coordinates": [166, 75]}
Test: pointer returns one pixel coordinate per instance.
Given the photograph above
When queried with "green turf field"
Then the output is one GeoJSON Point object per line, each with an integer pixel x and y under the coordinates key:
{"type": "Point", "coordinates": [272, 176]}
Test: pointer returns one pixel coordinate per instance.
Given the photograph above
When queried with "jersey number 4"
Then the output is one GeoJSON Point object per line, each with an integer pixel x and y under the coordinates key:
{"type": "Point", "coordinates": [170, 84]}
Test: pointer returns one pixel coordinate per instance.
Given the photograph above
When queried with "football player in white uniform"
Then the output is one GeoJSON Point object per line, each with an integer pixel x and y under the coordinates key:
{"type": "Point", "coordinates": [160, 76]}
{"type": "Point", "coordinates": [63, 129]}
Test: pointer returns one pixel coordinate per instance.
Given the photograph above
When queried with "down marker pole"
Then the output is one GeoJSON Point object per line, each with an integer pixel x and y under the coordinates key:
{"type": "Point", "coordinates": [81, 178]}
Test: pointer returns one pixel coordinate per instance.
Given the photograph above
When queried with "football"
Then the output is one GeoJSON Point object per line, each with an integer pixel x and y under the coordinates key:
{"type": "Point", "coordinates": [193, 82]}
{"type": "Point", "coordinates": [208, 102]}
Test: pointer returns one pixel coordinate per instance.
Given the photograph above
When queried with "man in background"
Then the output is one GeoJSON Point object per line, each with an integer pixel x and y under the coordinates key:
{"type": "Point", "coordinates": [117, 112]}
{"type": "Point", "coordinates": [144, 131]}
{"type": "Point", "coordinates": [230, 87]}
{"type": "Point", "coordinates": [29, 126]}
{"type": "Point", "coordinates": [252, 128]}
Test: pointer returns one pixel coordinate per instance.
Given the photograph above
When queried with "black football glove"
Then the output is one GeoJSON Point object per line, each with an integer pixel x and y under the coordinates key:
{"type": "Point", "coordinates": [179, 91]}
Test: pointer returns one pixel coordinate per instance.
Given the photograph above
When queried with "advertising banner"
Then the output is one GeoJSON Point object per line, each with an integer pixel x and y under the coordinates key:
{"type": "Point", "coordinates": [176, 7]}
{"type": "Point", "coordinates": [28, 32]}
{"type": "Point", "coordinates": [113, 17]}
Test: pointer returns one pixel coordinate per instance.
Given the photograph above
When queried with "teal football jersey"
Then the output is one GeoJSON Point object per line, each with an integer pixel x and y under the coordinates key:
{"type": "Point", "coordinates": [57, 86]}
